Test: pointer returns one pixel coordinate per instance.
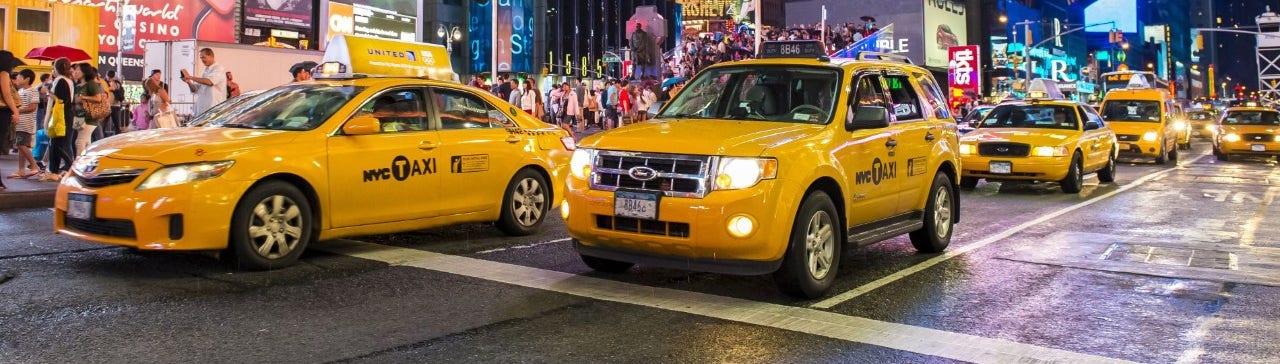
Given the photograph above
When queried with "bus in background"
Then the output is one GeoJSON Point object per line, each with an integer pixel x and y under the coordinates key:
{"type": "Point", "coordinates": [1120, 79]}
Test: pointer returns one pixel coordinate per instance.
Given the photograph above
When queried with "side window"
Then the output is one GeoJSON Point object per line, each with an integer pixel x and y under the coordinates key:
{"type": "Point", "coordinates": [933, 94]}
{"type": "Point", "coordinates": [1090, 115]}
{"type": "Point", "coordinates": [869, 92]}
{"type": "Point", "coordinates": [906, 104]}
{"type": "Point", "coordinates": [397, 110]}
{"type": "Point", "coordinates": [462, 110]}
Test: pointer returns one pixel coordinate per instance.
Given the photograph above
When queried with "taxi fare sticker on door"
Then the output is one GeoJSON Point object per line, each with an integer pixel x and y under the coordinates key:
{"type": "Point", "coordinates": [469, 163]}
{"type": "Point", "coordinates": [917, 166]}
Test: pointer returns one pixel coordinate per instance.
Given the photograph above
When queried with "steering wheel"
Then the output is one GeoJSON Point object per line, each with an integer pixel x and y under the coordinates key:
{"type": "Point", "coordinates": [815, 109]}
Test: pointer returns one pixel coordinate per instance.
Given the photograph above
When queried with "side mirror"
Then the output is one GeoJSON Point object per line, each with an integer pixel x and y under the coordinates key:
{"type": "Point", "coordinates": [1092, 125]}
{"type": "Point", "coordinates": [868, 117]}
{"type": "Point", "coordinates": [362, 125]}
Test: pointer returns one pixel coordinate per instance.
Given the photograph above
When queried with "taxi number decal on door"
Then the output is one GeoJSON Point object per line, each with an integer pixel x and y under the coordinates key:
{"type": "Point", "coordinates": [879, 172]}
{"type": "Point", "coordinates": [469, 163]}
{"type": "Point", "coordinates": [401, 169]}
{"type": "Point", "coordinates": [917, 166]}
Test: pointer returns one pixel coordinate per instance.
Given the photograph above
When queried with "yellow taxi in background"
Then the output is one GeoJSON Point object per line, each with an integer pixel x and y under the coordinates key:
{"type": "Point", "coordinates": [1042, 138]}
{"type": "Point", "coordinates": [1142, 120]}
{"type": "Point", "coordinates": [771, 166]}
{"type": "Point", "coordinates": [1248, 131]}
{"type": "Point", "coordinates": [354, 152]}
{"type": "Point", "coordinates": [1203, 123]}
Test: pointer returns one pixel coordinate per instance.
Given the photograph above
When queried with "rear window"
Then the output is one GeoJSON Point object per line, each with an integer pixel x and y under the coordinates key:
{"type": "Point", "coordinates": [1131, 110]}
{"type": "Point", "coordinates": [1032, 116]}
{"type": "Point", "coordinates": [1267, 118]}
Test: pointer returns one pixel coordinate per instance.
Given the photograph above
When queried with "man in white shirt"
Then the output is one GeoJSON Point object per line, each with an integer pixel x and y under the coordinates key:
{"type": "Point", "coordinates": [211, 87]}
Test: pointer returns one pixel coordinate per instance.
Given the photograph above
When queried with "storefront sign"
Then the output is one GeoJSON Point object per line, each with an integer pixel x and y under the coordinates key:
{"type": "Point", "coordinates": [210, 20]}
{"type": "Point", "coordinates": [964, 67]}
{"type": "Point", "coordinates": [278, 13]}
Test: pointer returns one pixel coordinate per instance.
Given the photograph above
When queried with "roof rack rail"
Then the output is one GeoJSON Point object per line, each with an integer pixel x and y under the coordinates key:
{"type": "Point", "coordinates": [866, 55]}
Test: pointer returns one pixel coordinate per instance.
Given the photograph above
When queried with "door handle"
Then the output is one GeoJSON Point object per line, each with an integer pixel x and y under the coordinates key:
{"type": "Point", "coordinates": [929, 136]}
{"type": "Point", "coordinates": [513, 138]}
{"type": "Point", "coordinates": [891, 143]}
{"type": "Point", "coordinates": [425, 145]}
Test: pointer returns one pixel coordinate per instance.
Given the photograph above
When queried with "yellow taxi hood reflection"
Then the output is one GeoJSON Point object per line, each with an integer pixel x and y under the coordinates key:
{"type": "Point", "coordinates": [1133, 127]}
{"type": "Point", "coordinates": [701, 137]}
{"type": "Point", "coordinates": [181, 145]}
{"type": "Point", "coordinates": [1252, 129]}
{"type": "Point", "coordinates": [1036, 136]}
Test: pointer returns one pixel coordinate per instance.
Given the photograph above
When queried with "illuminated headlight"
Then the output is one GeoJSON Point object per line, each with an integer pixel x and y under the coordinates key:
{"type": "Point", "coordinates": [580, 163]}
{"type": "Point", "coordinates": [1049, 151]}
{"type": "Point", "coordinates": [738, 173]}
{"type": "Point", "coordinates": [1150, 136]}
{"type": "Point", "coordinates": [1209, 127]}
{"type": "Point", "coordinates": [564, 210]}
{"type": "Point", "coordinates": [1231, 138]}
{"type": "Point", "coordinates": [184, 173]}
{"type": "Point", "coordinates": [1277, 138]}
{"type": "Point", "coordinates": [741, 226]}
{"type": "Point", "coordinates": [1180, 125]}
{"type": "Point", "coordinates": [967, 149]}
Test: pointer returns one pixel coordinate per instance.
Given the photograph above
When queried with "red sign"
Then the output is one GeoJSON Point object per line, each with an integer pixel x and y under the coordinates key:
{"type": "Point", "coordinates": [964, 70]}
{"type": "Point", "coordinates": [211, 20]}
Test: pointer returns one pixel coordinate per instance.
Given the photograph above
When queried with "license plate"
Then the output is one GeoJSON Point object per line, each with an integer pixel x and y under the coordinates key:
{"type": "Point", "coordinates": [1259, 148]}
{"type": "Point", "coordinates": [1196, 133]}
{"type": "Point", "coordinates": [80, 206]}
{"type": "Point", "coordinates": [1001, 167]}
{"type": "Point", "coordinates": [636, 205]}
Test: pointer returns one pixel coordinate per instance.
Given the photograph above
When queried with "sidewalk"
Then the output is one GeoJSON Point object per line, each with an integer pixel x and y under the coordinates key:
{"type": "Point", "coordinates": [23, 193]}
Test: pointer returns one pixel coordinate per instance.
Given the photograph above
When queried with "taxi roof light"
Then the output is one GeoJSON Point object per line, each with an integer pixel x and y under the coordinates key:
{"type": "Point", "coordinates": [1043, 88]}
{"type": "Point", "coordinates": [1138, 81]}
{"type": "Point", "coordinates": [355, 57]}
{"type": "Point", "coordinates": [794, 49]}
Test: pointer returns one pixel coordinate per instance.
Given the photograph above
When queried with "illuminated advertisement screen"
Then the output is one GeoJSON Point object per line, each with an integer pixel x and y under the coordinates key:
{"type": "Point", "coordinates": [515, 36]}
{"type": "Point", "coordinates": [1123, 12]}
{"type": "Point", "coordinates": [944, 27]}
{"type": "Point", "coordinates": [159, 20]}
{"type": "Point", "coordinates": [278, 13]}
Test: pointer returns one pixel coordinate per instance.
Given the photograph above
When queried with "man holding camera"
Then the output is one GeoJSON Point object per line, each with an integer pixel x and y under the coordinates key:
{"type": "Point", "coordinates": [211, 87]}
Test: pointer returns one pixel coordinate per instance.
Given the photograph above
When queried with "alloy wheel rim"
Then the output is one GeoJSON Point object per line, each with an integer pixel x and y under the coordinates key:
{"type": "Point", "coordinates": [276, 227]}
{"type": "Point", "coordinates": [528, 201]}
{"type": "Point", "coordinates": [942, 212]}
{"type": "Point", "coordinates": [820, 244]}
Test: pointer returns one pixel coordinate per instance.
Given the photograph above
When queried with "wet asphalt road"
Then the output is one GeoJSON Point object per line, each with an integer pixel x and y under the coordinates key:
{"type": "Point", "coordinates": [1170, 264]}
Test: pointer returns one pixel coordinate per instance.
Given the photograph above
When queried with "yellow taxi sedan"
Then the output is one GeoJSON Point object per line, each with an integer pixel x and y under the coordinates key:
{"type": "Point", "coordinates": [1039, 140]}
{"type": "Point", "coordinates": [353, 154]}
{"type": "Point", "coordinates": [1251, 131]}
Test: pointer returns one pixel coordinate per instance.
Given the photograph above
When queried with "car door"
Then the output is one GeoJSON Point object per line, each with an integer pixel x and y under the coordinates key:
{"type": "Point", "coordinates": [479, 154]}
{"type": "Point", "coordinates": [869, 158]}
{"type": "Point", "coordinates": [1090, 141]}
{"type": "Point", "coordinates": [920, 116]}
{"type": "Point", "coordinates": [388, 176]}
{"type": "Point", "coordinates": [1106, 137]}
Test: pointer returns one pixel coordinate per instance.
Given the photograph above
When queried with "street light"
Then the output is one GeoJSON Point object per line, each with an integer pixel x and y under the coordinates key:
{"type": "Point", "coordinates": [1003, 19]}
{"type": "Point", "coordinates": [1151, 65]}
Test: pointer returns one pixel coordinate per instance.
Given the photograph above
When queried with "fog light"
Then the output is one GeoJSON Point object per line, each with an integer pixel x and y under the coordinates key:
{"type": "Point", "coordinates": [564, 210]}
{"type": "Point", "coordinates": [741, 226]}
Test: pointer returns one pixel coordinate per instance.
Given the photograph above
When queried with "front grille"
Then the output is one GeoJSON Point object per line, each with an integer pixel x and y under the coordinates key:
{"type": "Point", "coordinates": [1258, 138]}
{"type": "Point", "coordinates": [109, 178]}
{"type": "Point", "coordinates": [649, 227]}
{"type": "Point", "coordinates": [1127, 137]}
{"type": "Point", "coordinates": [1004, 149]}
{"type": "Point", "coordinates": [104, 227]}
{"type": "Point", "coordinates": [676, 175]}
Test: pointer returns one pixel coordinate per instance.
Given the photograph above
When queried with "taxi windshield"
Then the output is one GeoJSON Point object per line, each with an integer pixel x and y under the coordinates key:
{"type": "Point", "coordinates": [789, 94]}
{"type": "Point", "coordinates": [214, 116]}
{"type": "Point", "coordinates": [290, 107]}
{"type": "Point", "coordinates": [1201, 115]}
{"type": "Point", "coordinates": [1032, 116]}
{"type": "Point", "coordinates": [1267, 118]}
{"type": "Point", "coordinates": [1131, 110]}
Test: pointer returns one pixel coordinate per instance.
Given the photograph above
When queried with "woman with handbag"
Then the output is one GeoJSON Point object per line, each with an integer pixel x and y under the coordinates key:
{"type": "Point", "coordinates": [93, 106]}
{"type": "Point", "coordinates": [159, 110]}
{"type": "Point", "coordinates": [60, 108]}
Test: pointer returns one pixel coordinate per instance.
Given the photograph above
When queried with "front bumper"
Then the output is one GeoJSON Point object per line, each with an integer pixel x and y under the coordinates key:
{"type": "Point", "coordinates": [690, 233]}
{"type": "Point", "coordinates": [1023, 168]}
{"type": "Point", "coordinates": [1246, 148]}
{"type": "Point", "coordinates": [191, 216]}
{"type": "Point", "coordinates": [1141, 148]}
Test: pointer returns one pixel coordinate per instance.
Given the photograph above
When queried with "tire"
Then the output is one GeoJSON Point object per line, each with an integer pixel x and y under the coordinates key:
{"type": "Point", "coordinates": [605, 265]}
{"type": "Point", "coordinates": [524, 203]}
{"type": "Point", "coordinates": [1173, 155]}
{"type": "Point", "coordinates": [1185, 146]}
{"type": "Point", "coordinates": [968, 183]}
{"type": "Point", "coordinates": [813, 253]}
{"type": "Point", "coordinates": [1075, 176]}
{"type": "Point", "coordinates": [271, 226]}
{"type": "Point", "coordinates": [1108, 173]}
{"type": "Point", "coordinates": [939, 218]}
{"type": "Point", "coordinates": [1162, 157]}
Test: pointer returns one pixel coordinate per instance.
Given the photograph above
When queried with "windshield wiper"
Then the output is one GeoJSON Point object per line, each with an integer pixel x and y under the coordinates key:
{"type": "Point", "coordinates": [241, 126]}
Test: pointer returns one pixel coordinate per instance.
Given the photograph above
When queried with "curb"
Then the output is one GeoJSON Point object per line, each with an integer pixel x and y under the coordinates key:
{"type": "Point", "coordinates": [26, 199]}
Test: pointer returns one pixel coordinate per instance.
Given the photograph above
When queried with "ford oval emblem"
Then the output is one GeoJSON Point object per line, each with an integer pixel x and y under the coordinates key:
{"type": "Point", "coordinates": [1002, 149]}
{"type": "Point", "coordinates": [642, 173]}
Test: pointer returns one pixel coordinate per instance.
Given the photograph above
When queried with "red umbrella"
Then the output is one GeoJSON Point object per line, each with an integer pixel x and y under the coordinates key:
{"type": "Point", "coordinates": [54, 52]}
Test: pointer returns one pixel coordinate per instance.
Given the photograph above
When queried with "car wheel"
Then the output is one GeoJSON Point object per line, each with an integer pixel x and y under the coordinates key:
{"type": "Point", "coordinates": [1108, 172]}
{"type": "Point", "coordinates": [1161, 158]}
{"type": "Point", "coordinates": [525, 204]}
{"type": "Point", "coordinates": [1075, 176]}
{"type": "Point", "coordinates": [968, 183]}
{"type": "Point", "coordinates": [1173, 155]}
{"type": "Point", "coordinates": [1185, 146]}
{"type": "Point", "coordinates": [813, 254]}
{"type": "Point", "coordinates": [1220, 155]}
{"type": "Point", "coordinates": [270, 227]}
{"type": "Point", "coordinates": [939, 220]}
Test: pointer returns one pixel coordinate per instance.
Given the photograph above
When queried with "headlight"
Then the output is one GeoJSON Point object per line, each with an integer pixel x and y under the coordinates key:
{"type": "Point", "coordinates": [1277, 138]}
{"type": "Point", "coordinates": [1050, 151]}
{"type": "Point", "coordinates": [1231, 138]}
{"type": "Point", "coordinates": [738, 173]}
{"type": "Point", "coordinates": [1180, 125]}
{"type": "Point", "coordinates": [183, 173]}
{"type": "Point", "coordinates": [967, 149]}
{"type": "Point", "coordinates": [580, 163]}
{"type": "Point", "coordinates": [1150, 136]}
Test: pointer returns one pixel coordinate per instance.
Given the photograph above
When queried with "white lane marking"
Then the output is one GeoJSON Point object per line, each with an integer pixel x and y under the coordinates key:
{"type": "Point", "coordinates": [1196, 335]}
{"type": "Point", "coordinates": [861, 290]}
{"type": "Point", "coordinates": [523, 246]}
{"type": "Point", "coordinates": [921, 340]}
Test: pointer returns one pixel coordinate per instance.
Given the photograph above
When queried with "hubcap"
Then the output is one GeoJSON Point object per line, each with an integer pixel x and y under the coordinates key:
{"type": "Point", "coordinates": [942, 212]}
{"type": "Point", "coordinates": [820, 244]}
{"type": "Point", "coordinates": [275, 229]}
{"type": "Point", "coordinates": [528, 201]}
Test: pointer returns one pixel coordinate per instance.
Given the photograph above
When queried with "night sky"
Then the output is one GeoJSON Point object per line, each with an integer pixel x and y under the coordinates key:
{"type": "Point", "coordinates": [1236, 57]}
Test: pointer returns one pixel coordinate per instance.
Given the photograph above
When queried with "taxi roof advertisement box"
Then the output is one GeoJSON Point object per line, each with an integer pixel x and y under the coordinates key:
{"type": "Point", "coordinates": [944, 27]}
{"type": "Point", "coordinates": [906, 17]}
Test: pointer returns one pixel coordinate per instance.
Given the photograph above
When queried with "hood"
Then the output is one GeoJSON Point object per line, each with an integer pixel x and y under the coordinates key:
{"type": "Point", "coordinates": [181, 145]}
{"type": "Point", "coordinates": [701, 137]}
{"type": "Point", "coordinates": [1133, 127]}
{"type": "Point", "coordinates": [1033, 136]}
{"type": "Point", "coordinates": [1251, 129]}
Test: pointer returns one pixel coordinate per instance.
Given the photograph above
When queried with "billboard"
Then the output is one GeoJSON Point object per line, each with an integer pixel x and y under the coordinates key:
{"type": "Point", "coordinates": [944, 27]}
{"type": "Point", "coordinates": [278, 13]}
{"type": "Point", "coordinates": [964, 70]}
{"type": "Point", "coordinates": [1123, 12]}
{"type": "Point", "coordinates": [514, 33]}
{"type": "Point", "coordinates": [370, 19]}
{"type": "Point", "coordinates": [211, 20]}
{"type": "Point", "coordinates": [904, 15]}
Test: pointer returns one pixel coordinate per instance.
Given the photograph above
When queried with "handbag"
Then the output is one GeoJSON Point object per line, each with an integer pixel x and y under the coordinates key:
{"type": "Point", "coordinates": [166, 119]}
{"type": "Point", "coordinates": [57, 127]}
{"type": "Point", "coordinates": [99, 110]}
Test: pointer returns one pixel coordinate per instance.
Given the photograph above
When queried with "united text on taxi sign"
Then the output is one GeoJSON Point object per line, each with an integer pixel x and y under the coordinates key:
{"type": "Point", "coordinates": [347, 56]}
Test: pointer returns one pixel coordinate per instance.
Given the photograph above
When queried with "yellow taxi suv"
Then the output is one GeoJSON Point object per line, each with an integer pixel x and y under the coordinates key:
{"type": "Point", "coordinates": [771, 166]}
{"type": "Point", "coordinates": [1248, 131]}
{"type": "Point", "coordinates": [1043, 138]}
{"type": "Point", "coordinates": [377, 144]}
{"type": "Point", "coordinates": [1142, 119]}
